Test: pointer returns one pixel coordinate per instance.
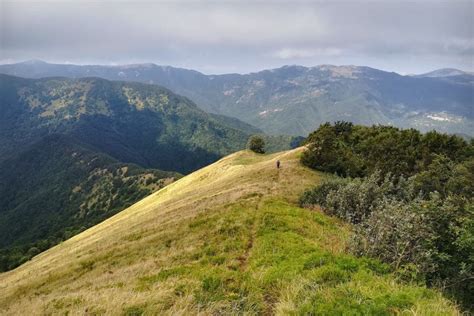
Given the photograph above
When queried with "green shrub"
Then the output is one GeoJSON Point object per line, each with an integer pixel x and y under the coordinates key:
{"type": "Point", "coordinates": [414, 206]}
{"type": "Point", "coordinates": [446, 177]}
{"type": "Point", "coordinates": [354, 200]}
{"type": "Point", "coordinates": [423, 237]}
{"type": "Point", "coordinates": [317, 195]}
{"type": "Point", "coordinates": [256, 144]}
{"type": "Point", "coordinates": [211, 284]}
{"type": "Point", "coordinates": [397, 233]}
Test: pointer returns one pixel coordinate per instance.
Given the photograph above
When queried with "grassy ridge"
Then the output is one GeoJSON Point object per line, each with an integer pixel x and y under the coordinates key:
{"type": "Point", "coordinates": [225, 239]}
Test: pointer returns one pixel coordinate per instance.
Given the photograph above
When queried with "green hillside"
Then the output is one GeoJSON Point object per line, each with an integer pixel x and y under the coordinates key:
{"type": "Point", "coordinates": [226, 239]}
{"type": "Point", "coordinates": [131, 122]}
{"type": "Point", "coordinates": [58, 188]}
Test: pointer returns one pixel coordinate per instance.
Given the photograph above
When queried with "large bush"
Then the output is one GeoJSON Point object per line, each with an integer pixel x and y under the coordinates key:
{"type": "Point", "coordinates": [431, 236]}
{"type": "Point", "coordinates": [256, 144]}
{"type": "Point", "coordinates": [318, 195]}
{"type": "Point", "coordinates": [355, 199]}
{"type": "Point", "coordinates": [358, 151]}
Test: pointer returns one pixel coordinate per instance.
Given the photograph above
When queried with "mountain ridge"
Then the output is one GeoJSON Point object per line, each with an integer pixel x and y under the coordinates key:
{"type": "Point", "coordinates": [152, 64]}
{"type": "Point", "coordinates": [76, 151]}
{"type": "Point", "coordinates": [445, 72]}
{"type": "Point", "coordinates": [294, 100]}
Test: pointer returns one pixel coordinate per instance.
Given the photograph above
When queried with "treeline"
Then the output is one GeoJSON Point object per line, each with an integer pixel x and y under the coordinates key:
{"type": "Point", "coordinates": [357, 151]}
{"type": "Point", "coordinates": [410, 197]}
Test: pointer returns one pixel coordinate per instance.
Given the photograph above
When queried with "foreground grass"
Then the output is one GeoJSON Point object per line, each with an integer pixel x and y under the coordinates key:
{"type": "Point", "coordinates": [224, 240]}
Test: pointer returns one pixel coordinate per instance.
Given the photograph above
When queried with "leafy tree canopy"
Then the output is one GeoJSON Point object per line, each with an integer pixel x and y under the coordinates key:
{"type": "Point", "coordinates": [256, 144]}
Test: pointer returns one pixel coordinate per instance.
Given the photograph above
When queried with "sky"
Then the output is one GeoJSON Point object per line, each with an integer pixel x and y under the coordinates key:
{"type": "Point", "coordinates": [217, 37]}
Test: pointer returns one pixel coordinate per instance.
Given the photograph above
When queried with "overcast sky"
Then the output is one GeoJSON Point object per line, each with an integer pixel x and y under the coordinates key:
{"type": "Point", "coordinates": [242, 36]}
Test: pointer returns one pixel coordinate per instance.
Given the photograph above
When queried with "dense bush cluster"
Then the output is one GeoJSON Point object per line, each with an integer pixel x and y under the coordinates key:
{"type": "Point", "coordinates": [357, 151]}
{"type": "Point", "coordinates": [416, 212]}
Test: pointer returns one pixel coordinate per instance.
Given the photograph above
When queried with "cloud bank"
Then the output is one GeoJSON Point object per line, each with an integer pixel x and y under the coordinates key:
{"type": "Point", "coordinates": [241, 36]}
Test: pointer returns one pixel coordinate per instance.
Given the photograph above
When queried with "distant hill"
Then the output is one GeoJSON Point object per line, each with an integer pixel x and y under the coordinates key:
{"type": "Point", "coordinates": [445, 72]}
{"type": "Point", "coordinates": [227, 239]}
{"type": "Point", "coordinates": [295, 100]}
{"type": "Point", "coordinates": [132, 122]}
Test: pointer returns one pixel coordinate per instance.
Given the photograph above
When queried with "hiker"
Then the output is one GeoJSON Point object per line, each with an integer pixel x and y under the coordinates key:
{"type": "Point", "coordinates": [278, 164]}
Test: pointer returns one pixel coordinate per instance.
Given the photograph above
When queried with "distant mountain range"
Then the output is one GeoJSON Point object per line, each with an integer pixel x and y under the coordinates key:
{"type": "Point", "coordinates": [295, 100]}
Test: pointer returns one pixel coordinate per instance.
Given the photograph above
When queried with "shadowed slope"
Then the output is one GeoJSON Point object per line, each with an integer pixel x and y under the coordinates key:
{"type": "Point", "coordinates": [58, 188]}
{"type": "Point", "coordinates": [225, 239]}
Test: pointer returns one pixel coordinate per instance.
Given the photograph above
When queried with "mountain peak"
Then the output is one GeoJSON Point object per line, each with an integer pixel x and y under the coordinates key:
{"type": "Point", "coordinates": [444, 72]}
{"type": "Point", "coordinates": [34, 62]}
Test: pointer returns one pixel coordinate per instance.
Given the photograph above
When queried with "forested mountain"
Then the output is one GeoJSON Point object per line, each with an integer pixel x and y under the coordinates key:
{"type": "Point", "coordinates": [57, 188]}
{"type": "Point", "coordinates": [132, 122]}
{"type": "Point", "coordinates": [295, 100]}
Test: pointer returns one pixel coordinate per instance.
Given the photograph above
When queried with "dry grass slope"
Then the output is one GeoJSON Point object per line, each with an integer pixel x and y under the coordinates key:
{"type": "Point", "coordinates": [226, 239]}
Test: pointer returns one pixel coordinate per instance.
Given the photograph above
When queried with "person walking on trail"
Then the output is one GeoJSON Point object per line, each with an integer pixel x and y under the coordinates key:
{"type": "Point", "coordinates": [278, 164]}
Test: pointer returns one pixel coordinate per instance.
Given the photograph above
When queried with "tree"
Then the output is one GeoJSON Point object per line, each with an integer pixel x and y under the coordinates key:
{"type": "Point", "coordinates": [256, 144]}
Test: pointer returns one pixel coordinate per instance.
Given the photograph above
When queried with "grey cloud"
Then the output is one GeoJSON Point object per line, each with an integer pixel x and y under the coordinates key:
{"type": "Point", "coordinates": [231, 36]}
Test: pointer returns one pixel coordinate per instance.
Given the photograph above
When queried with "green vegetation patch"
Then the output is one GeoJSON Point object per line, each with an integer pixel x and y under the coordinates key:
{"type": "Point", "coordinates": [134, 310]}
{"type": "Point", "coordinates": [146, 281]}
{"type": "Point", "coordinates": [411, 205]}
{"type": "Point", "coordinates": [248, 256]}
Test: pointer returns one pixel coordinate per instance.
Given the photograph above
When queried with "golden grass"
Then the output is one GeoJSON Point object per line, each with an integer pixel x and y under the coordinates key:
{"type": "Point", "coordinates": [223, 240]}
{"type": "Point", "coordinates": [220, 183]}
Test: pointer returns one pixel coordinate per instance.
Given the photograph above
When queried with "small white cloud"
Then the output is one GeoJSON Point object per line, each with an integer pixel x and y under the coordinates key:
{"type": "Point", "coordinates": [290, 53]}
